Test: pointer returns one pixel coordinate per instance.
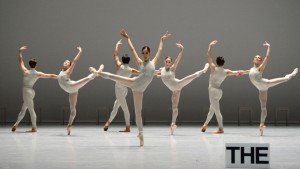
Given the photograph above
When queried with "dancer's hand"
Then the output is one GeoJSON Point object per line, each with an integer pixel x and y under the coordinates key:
{"type": "Point", "coordinates": [23, 48]}
{"type": "Point", "coordinates": [266, 44]}
{"type": "Point", "coordinates": [166, 35]}
{"type": "Point", "coordinates": [179, 45]}
{"type": "Point", "coordinates": [79, 49]}
{"type": "Point", "coordinates": [213, 43]}
{"type": "Point", "coordinates": [124, 33]}
{"type": "Point", "coordinates": [119, 42]}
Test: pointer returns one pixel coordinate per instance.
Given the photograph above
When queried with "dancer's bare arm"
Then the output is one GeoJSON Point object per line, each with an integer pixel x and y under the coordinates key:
{"type": "Point", "coordinates": [160, 47]}
{"type": "Point", "coordinates": [23, 68]}
{"type": "Point", "coordinates": [174, 66]}
{"type": "Point", "coordinates": [136, 56]}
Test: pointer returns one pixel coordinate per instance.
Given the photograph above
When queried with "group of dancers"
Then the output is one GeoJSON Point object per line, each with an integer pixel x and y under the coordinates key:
{"type": "Point", "coordinates": [144, 75]}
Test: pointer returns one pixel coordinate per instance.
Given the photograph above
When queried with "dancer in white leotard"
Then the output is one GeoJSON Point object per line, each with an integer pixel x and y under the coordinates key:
{"type": "Point", "coordinates": [29, 78]}
{"type": "Point", "coordinates": [217, 76]}
{"type": "Point", "coordinates": [255, 75]}
{"type": "Point", "coordinates": [123, 69]}
{"type": "Point", "coordinates": [138, 84]}
{"type": "Point", "coordinates": [167, 75]}
{"type": "Point", "coordinates": [71, 86]}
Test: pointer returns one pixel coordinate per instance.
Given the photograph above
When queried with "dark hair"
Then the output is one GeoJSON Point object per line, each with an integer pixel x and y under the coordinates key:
{"type": "Point", "coordinates": [125, 59]}
{"type": "Point", "coordinates": [32, 63]}
{"type": "Point", "coordinates": [168, 57]}
{"type": "Point", "coordinates": [147, 48]}
{"type": "Point", "coordinates": [220, 61]}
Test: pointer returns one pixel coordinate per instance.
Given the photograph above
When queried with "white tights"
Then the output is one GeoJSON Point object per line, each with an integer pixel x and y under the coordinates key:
{"type": "Point", "coordinates": [137, 95]}
{"type": "Point", "coordinates": [28, 95]}
{"type": "Point", "coordinates": [76, 85]}
{"type": "Point", "coordinates": [214, 97]}
{"type": "Point", "coordinates": [121, 93]}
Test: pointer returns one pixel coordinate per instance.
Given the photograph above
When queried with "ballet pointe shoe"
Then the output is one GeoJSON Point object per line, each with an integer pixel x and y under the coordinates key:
{"type": "Point", "coordinates": [101, 67]}
{"type": "Point", "coordinates": [105, 127]}
{"type": "Point", "coordinates": [295, 71]}
{"type": "Point", "coordinates": [126, 129]}
{"type": "Point", "coordinates": [219, 131]}
{"type": "Point", "coordinates": [93, 70]}
{"type": "Point", "coordinates": [69, 128]}
{"type": "Point", "coordinates": [206, 66]}
{"type": "Point", "coordinates": [173, 127]}
{"type": "Point", "coordinates": [32, 130]}
{"type": "Point", "coordinates": [141, 137]}
{"type": "Point", "coordinates": [14, 127]}
{"type": "Point", "coordinates": [203, 129]}
{"type": "Point", "coordinates": [261, 129]}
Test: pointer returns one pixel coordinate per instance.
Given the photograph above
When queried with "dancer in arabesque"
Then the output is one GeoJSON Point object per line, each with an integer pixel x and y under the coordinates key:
{"type": "Point", "coordinates": [262, 84]}
{"type": "Point", "coordinates": [167, 74]}
{"type": "Point", "coordinates": [139, 83]}
{"type": "Point", "coordinates": [71, 86]}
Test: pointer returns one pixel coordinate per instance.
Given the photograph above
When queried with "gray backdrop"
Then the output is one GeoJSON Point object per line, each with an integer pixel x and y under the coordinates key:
{"type": "Point", "coordinates": [53, 29]}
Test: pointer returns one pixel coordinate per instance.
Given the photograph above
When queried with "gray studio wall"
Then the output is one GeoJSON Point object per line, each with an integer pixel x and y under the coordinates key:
{"type": "Point", "coordinates": [53, 29]}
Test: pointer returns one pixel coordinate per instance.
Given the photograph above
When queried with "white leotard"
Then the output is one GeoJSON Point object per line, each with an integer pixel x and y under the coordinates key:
{"type": "Point", "coordinates": [217, 77]}
{"type": "Point", "coordinates": [256, 78]}
{"type": "Point", "coordinates": [30, 78]}
{"type": "Point", "coordinates": [65, 82]}
{"type": "Point", "coordinates": [168, 78]}
{"type": "Point", "coordinates": [141, 82]}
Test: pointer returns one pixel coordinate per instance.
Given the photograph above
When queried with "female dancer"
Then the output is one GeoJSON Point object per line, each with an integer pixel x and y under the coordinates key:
{"type": "Point", "coordinates": [71, 86]}
{"type": "Point", "coordinates": [217, 76]}
{"type": "Point", "coordinates": [255, 75]}
{"type": "Point", "coordinates": [123, 69]}
{"type": "Point", "coordinates": [29, 78]}
{"type": "Point", "coordinates": [167, 75]}
{"type": "Point", "coordinates": [138, 84]}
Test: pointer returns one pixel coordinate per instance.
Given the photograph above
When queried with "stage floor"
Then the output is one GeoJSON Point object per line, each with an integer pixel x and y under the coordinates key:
{"type": "Point", "coordinates": [91, 147]}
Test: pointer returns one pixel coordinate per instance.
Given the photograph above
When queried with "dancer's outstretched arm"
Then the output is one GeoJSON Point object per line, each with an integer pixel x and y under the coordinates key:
{"type": "Point", "coordinates": [116, 54]}
{"type": "Point", "coordinates": [44, 75]}
{"type": "Point", "coordinates": [71, 68]}
{"type": "Point", "coordinates": [135, 71]}
{"type": "Point", "coordinates": [174, 66]}
{"type": "Point", "coordinates": [23, 68]}
{"type": "Point", "coordinates": [266, 59]}
{"type": "Point", "coordinates": [136, 56]}
{"type": "Point", "coordinates": [160, 47]}
{"type": "Point", "coordinates": [209, 55]}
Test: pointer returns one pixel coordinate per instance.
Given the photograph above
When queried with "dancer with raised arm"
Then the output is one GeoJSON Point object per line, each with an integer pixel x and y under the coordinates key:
{"type": "Point", "coordinates": [167, 74]}
{"type": "Point", "coordinates": [29, 78]}
{"type": "Point", "coordinates": [71, 86]}
{"type": "Point", "coordinates": [217, 76]}
{"type": "Point", "coordinates": [139, 83]}
{"type": "Point", "coordinates": [262, 84]}
{"type": "Point", "coordinates": [123, 69]}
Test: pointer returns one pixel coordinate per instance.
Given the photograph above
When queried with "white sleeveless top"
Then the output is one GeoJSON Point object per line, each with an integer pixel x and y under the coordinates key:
{"type": "Point", "coordinates": [168, 78]}
{"type": "Point", "coordinates": [141, 82]}
{"type": "Point", "coordinates": [125, 71]}
{"type": "Point", "coordinates": [30, 78]}
{"type": "Point", "coordinates": [217, 77]}
{"type": "Point", "coordinates": [256, 78]}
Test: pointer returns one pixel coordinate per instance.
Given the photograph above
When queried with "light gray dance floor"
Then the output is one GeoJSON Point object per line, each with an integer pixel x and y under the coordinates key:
{"type": "Point", "coordinates": [91, 147]}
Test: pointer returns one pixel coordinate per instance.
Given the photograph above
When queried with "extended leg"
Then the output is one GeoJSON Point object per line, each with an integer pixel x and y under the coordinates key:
{"type": "Point", "coordinates": [121, 96]}
{"type": "Point", "coordinates": [276, 81]}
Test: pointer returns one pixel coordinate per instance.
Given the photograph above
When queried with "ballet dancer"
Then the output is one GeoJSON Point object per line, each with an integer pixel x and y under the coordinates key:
{"type": "Point", "coordinates": [167, 74]}
{"type": "Point", "coordinates": [217, 76]}
{"type": "Point", "coordinates": [139, 83]}
{"type": "Point", "coordinates": [123, 69]}
{"type": "Point", "coordinates": [71, 86]}
{"type": "Point", "coordinates": [262, 84]}
{"type": "Point", "coordinates": [29, 78]}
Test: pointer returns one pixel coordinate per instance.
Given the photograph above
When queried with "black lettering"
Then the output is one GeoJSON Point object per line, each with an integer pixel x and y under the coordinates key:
{"type": "Point", "coordinates": [243, 154]}
{"type": "Point", "coordinates": [232, 153]}
{"type": "Point", "coordinates": [258, 154]}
